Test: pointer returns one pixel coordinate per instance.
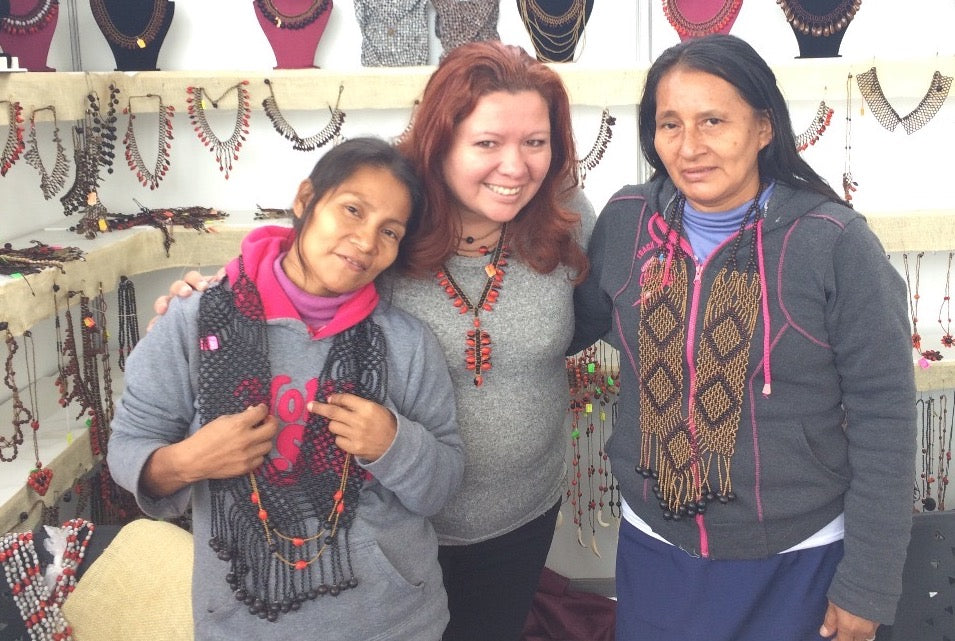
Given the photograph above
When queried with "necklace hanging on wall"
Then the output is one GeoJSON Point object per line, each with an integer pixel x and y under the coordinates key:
{"type": "Point", "coordinates": [128, 319]}
{"type": "Point", "coordinates": [478, 342]}
{"type": "Point", "coordinates": [40, 477]}
{"type": "Point", "coordinates": [927, 355]}
{"type": "Point", "coordinates": [139, 41]}
{"type": "Point", "coordinates": [51, 182]}
{"type": "Point", "coordinates": [14, 145]}
{"type": "Point", "coordinates": [297, 21]}
{"type": "Point", "coordinates": [555, 36]}
{"type": "Point", "coordinates": [596, 153]}
{"type": "Point", "coordinates": [934, 98]}
{"type": "Point", "coordinates": [33, 20]}
{"type": "Point", "coordinates": [946, 307]}
{"type": "Point", "coordinates": [946, 426]}
{"type": "Point", "coordinates": [403, 136]}
{"type": "Point", "coordinates": [94, 144]}
{"type": "Point", "coordinates": [719, 17]}
{"type": "Point", "coordinates": [284, 129]}
{"type": "Point", "coordinates": [816, 128]}
{"type": "Point", "coordinates": [849, 185]}
{"type": "Point", "coordinates": [134, 159]}
{"type": "Point", "coordinates": [225, 151]}
{"type": "Point", "coordinates": [927, 475]}
{"type": "Point", "coordinates": [10, 447]}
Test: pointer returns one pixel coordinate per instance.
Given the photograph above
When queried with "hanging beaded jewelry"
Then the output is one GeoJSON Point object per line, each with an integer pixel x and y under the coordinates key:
{"type": "Point", "coordinates": [14, 145]}
{"type": "Point", "coordinates": [849, 185]}
{"type": "Point", "coordinates": [689, 29]}
{"type": "Point", "coordinates": [554, 37]}
{"type": "Point", "coordinates": [157, 16]}
{"type": "Point", "coordinates": [946, 427]}
{"type": "Point", "coordinates": [165, 113]}
{"type": "Point", "coordinates": [946, 307]}
{"type": "Point", "coordinates": [52, 182]}
{"type": "Point", "coordinates": [888, 117]}
{"type": "Point", "coordinates": [94, 144]}
{"type": "Point", "coordinates": [819, 25]}
{"type": "Point", "coordinates": [596, 153]}
{"type": "Point", "coordinates": [927, 475]}
{"type": "Point", "coordinates": [817, 127]}
{"type": "Point", "coordinates": [914, 296]}
{"type": "Point", "coordinates": [128, 319]}
{"type": "Point", "coordinates": [297, 21]}
{"type": "Point", "coordinates": [40, 477]}
{"type": "Point", "coordinates": [10, 447]}
{"type": "Point", "coordinates": [478, 352]}
{"type": "Point", "coordinates": [400, 138]}
{"type": "Point", "coordinates": [228, 151]}
{"type": "Point", "coordinates": [33, 20]}
{"type": "Point", "coordinates": [284, 129]}
{"type": "Point", "coordinates": [35, 258]}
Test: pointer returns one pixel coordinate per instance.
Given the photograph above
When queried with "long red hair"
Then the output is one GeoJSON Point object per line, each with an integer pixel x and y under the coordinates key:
{"type": "Point", "coordinates": [543, 233]}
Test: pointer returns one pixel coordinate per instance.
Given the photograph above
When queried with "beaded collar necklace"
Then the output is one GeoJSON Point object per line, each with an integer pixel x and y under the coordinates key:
{"type": "Point", "coordinates": [33, 20]}
{"type": "Point", "coordinates": [292, 21]}
{"type": "Point", "coordinates": [819, 25]}
{"type": "Point", "coordinates": [816, 128]}
{"type": "Point", "coordinates": [134, 159]}
{"type": "Point", "coordinates": [228, 150]}
{"type": "Point", "coordinates": [50, 182]}
{"type": "Point", "coordinates": [478, 342]}
{"type": "Point", "coordinates": [554, 37]}
{"type": "Point", "coordinates": [140, 41]}
{"type": "Point", "coordinates": [888, 117]}
{"type": "Point", "coordinates": [596, 153]}
{"type": "Point", "coordinates": [14, 145]}
{"type": "Point", "coordinates": [310, 143]}
{"type": "Point", "coordinates": [687, 28]}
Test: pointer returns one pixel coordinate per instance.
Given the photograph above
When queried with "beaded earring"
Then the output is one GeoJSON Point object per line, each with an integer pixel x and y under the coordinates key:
{"type": "Point", "coordinates": [150, 177]}
{"type": "Point", "coordinates": [225, 151]}
{"type": "Point", "coordinates": [328, 133]}
{"type": "Point", "coordinates": [14, 145]}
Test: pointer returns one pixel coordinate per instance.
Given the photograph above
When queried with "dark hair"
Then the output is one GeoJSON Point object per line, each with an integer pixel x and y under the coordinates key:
{"type": "Point", "coordinates": [543, 232]}
{"type": "Point", "coordinates": [339, 163]}
{"type": "Point", "coordinates": [736, 62]}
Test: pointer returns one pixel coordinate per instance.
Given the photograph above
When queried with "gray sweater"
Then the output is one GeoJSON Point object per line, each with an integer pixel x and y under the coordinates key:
{"type": "Point", "coordinates": [837, 433]}
{"type": "Point", "coordinates": [393, 545]}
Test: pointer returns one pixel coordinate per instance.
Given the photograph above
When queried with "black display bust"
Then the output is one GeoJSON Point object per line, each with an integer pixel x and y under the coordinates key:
{"type": "Point", "coordinates": [127, 22]}
{"type": "Point", "coordinates": [819, 25]}
{"type": "Point", "coordinates": [554, 42]}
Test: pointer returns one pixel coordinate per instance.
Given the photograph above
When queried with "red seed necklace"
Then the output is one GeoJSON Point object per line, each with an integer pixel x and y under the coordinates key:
{"type": "Point", "coordinates": [477, 355]}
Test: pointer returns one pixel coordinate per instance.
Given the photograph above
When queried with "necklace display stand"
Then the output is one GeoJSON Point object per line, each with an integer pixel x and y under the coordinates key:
{"type": "Point", "coordinates": [819, 25]}
{"type": "Point", "coordinates": [556, 27]}
{"type": "Point", "coordinates": [697, 18]}
{"type": "Point", "coordinates": [129, 32]}
{"type": "Point", "coordinates": [27, 32]}
{"type": "Point", "coordinates": [294, 47]}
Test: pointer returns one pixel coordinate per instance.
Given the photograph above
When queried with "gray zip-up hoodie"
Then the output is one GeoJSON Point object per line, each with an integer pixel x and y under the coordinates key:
{"type": "Point", "coordinates": [828, 409]}
{"type": "Point", "coordinates": [394, 550]}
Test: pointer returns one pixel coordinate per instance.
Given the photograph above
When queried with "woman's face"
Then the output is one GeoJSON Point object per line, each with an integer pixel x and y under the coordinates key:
{"type": "Point", "coordinates": [353, 234]}
{"type": "Point", "coordinates": [708, 139]}
{"type": "Point", "coordinates": [499, 156]}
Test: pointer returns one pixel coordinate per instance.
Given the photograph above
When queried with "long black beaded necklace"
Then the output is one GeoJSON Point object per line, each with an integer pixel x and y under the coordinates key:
{"type": "Point", "coordinates": [927, 476]}
{"type": "Point", "coordinates": [128, 319]}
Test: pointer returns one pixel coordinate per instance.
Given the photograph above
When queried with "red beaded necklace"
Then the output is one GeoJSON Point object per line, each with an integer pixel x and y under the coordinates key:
{"type": "Point", "coordinates": [477, 355]}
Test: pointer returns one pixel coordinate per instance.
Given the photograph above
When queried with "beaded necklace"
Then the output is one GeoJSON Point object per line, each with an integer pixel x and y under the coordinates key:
{"type": "Point", "coordinates": [225, 151]}
{"type": "Point", "coordinates": [724, 15]}
{"type": "Point", "coordinates": [157, 15]}
{"type": "Point", "coordinates": [478, 342]}
{"type": "Point", "coordinates": [35, 258]}
{"type": "Point", "coordinates": [816, 128]}
{"type": "Point", "coordinates": [554, 37]}
{"type": "Point", "coordinates": [596, 153]}
{"type": "Point", "coordinates": [927, 476]}
{"type": "Point", "coordinates": [292, 21]}
{"type": "Point", "coordinates": [817, 25]}
{"type": "Point", "coordinates": [328, 133]}
{"type": "Point", "coordinates": [946, 307]}
{"type": "Point", "coordinates": [53, 181]}
{"type": "Point", "coordinates": [849, 184]}
{"type": "Point", "coordinates": [94, 144]}
{"type": "Point", "coordinates": [128, 319]}
{"type": "Point", "coordinates": [885, 113]}
{"type": "Point", "coordinates": [21, 415]}
{"type": "Point", "coordinates": [946, 428]}
{"type": "Point", "coordinates": [33, 20]}
{"type": "Point", "coordinates": [39, 477]}
{"type": "Point", "coordinates": [14, 145]}
{"type": "Point", "coordinates": [149, 177]}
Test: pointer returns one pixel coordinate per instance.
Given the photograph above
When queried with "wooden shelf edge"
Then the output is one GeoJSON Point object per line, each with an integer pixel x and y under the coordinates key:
{"type": "Point", "coordinates": [924, 230]}
{"type": "Point", "coordinates": [939, 376]}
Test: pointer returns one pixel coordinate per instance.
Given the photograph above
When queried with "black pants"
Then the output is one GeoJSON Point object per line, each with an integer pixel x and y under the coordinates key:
{"type": "Point", "coordinates": [491, 584]}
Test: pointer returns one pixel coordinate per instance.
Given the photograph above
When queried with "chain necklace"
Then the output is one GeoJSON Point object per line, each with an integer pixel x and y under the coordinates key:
{"type": "Point", "coordinates": [294, 21]}
{"type": "Point", "coordinates": [888, 117]}
{"type": "Point", "coordinates": [478, 351]}
{"type": "Point", "coordinates": [165, 113]}
{"type": "Point", "coordinates": [554, 37]}
{"type": "Point", "coordinates": [14, 145]}
{"type": "Point", "coordinates": [156, 17]}
{"type": "Point", "coordinates": [816, 128]}
{"type": "Point", "coordinates": [225, 151]}
{"type": "Point", "coordinates": [816, 25]}
{"type": "Point", "coordinates": [693, 29]}
{"type": "Point", "coordinates": [52, 182]}
{"type": "Point", "coordinates": [33, 20]}
{"type": "Point", "coordinates": [328, 133]}
{"type": "Point", "coordinates": [596, 153]}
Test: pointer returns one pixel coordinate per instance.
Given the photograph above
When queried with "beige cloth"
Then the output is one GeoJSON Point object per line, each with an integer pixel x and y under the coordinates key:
{"type": "Point", "coordinates": [139, 589]}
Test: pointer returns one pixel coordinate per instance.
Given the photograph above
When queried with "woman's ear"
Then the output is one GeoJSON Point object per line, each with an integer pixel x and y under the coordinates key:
{"type": "Point", "coordinates": [302, 198]}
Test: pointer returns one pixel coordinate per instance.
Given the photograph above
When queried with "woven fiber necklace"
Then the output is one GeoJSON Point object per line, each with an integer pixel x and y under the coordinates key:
{"type": "Point", "coordinates": [888, 117]}
{"type": "Point", "coordinates": [687, 28]}
{"type": "Point", "coordinates": [477, 354]}
{"type": "Point", "coordinates": [140, 41]}
{"type": "Point", "coordinates": [461, 21]}
{"type": "Point", "coordinates": [50, 182]}
{"type": "Point", "coordinates": [816, 25]}
{"type": "Point", "coordinates": [134, 159]}
{"type": "Point", "coordinates": [14, 145]}
{"type": "Point", "coordinates": [554, 37]}
{"type": "Point", "coordinates": [228, 150]}
{"type": "Point", "coordinates": [33, 20]}
{"type": "Point", "coordinates": [292, 21]}
{"type": "Point", "coordinates": [284, 129]}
